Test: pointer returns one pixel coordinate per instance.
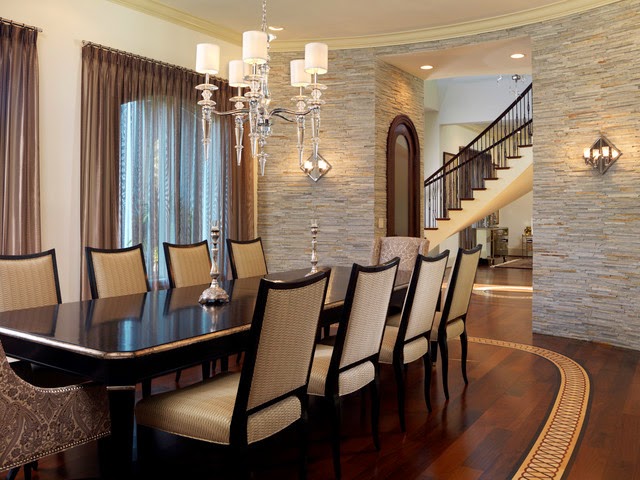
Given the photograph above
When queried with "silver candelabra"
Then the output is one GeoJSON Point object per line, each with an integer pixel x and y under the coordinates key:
{"type": "Point", "coordinates": [215, 293]}
{"type": "Point", "coordinates": [314, 244]}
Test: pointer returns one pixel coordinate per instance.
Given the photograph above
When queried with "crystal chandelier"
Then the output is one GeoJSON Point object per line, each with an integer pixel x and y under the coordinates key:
{"type": "Point", "coordinates": [252, 74]}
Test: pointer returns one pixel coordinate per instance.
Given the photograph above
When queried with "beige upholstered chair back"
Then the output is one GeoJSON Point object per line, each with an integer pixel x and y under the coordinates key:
{"type": "Point", "coordinates": [463, 286]}
{"type": "Point", "coordinates": [37, 422]}
{"type": "Point", "coordinates": [426, 297]}
{"type": "Point", "coordinates": [117, 272]}
{"type": "Point", "coordinates": [188, 264]}
{"type": "Point", "coordinates": [287, 338]}
{"type": "Point", "coordinates": [368, 315]}
{"type": "Point", "coordinates": [28, 281]}
{"type": "Point", "coordinates": [247, 258]}
{"type": "Point", "coordinates": [407, 248]}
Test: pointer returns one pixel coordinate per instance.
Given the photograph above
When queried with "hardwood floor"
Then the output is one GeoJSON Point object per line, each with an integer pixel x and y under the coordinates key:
{"type": "Point", "coordinates": [483, 432]}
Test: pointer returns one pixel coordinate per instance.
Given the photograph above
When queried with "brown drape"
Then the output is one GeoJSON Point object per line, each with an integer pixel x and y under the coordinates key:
{"type": "Point", "coordinates": [19, 141]}
{"type": "Point", "coordinates": [109, 79]}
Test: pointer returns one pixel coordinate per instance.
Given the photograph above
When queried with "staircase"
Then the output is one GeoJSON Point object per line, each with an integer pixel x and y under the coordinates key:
{"type": "Point", "coordinates": [495, 169]}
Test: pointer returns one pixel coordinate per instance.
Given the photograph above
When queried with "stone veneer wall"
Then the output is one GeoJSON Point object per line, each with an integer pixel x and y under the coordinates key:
{"type": "Point", "coordinates": [397, 92]}
{"type": "Point", "coordinates": [586, 75]}
{"type": "Point", "coordinates": [343, 200]}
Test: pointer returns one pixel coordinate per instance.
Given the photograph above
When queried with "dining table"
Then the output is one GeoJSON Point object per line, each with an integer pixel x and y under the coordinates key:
{"type": "Point", "coordinates": [123, 341]}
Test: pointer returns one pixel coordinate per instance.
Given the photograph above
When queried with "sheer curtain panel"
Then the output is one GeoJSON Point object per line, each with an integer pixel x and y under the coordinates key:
{"type": "Point", "coordinates": [19, 143]}
{"type": "Point", "coordinates": [144, 175]}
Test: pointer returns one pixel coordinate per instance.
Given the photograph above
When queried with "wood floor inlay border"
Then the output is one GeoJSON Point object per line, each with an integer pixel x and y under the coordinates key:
{"type": "Point", "coordinates": [552, 450]}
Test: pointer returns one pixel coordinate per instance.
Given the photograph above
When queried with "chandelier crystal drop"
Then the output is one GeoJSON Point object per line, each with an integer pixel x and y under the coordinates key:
{"type": "Point", "coordinates": [253, 105]}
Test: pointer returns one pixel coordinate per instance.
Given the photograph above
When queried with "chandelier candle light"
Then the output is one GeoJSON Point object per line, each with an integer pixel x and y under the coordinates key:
{"type": "Point", "coordinates": [252, 74]}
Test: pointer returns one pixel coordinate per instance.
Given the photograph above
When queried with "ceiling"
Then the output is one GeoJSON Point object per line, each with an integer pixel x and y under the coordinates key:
{"type": "Point", "coordinates": [366, 23]}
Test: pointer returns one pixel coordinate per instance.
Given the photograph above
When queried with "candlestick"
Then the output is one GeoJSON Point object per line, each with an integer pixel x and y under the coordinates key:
{"type": "Point", "coordinates": [215, 293]}
{"type": "Point", "coordinates": [314, 244]}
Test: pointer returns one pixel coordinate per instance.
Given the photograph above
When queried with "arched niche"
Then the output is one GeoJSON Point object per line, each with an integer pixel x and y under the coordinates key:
{"type": "Point", "coordinates": [403, 178]}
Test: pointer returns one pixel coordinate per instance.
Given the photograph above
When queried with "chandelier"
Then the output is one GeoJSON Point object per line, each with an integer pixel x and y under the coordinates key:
{"type": "Point", "coordinates": [253, 106]}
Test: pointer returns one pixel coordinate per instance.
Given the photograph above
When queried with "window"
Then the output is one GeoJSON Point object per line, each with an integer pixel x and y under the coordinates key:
{"type": "Point", "coordinates": [168, 192]}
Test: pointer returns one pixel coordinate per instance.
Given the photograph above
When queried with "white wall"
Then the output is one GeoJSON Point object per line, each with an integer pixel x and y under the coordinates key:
{"type": "Point", "coordinates": [516, 216]}
{"type": "Point", "coordinates": [65, 24]}
{"type": "Point", "coordinates": [475, 99]}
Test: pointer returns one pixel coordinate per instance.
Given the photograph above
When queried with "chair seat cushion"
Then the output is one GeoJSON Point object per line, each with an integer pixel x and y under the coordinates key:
{"type": "Point", "coordinates": [412, 351]}
{"type": "Point", "coordinates": [454, 328]}
{"type": "Point", "coordinates": [349, 381]}
{"type": "Point", "coordinates": [203, 412]}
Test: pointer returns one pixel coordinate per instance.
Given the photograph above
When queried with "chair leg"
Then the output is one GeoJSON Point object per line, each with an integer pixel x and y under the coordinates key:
{"type": "Point", "coordinates": [206, 369]}
{"type": "Point", "coordinates": [224, 363]}
{"type": "Point", "coordinates": [444, 356]}
{"type": "Point", "coordinates": [27, 471]}
{"type": "Point", "coordinates": [398, 370]}
{"type": "Point", "coordinates": [334, 406]}
{"type": "Point", "coordinates": [13, 473]}
{"type": "Point", "coordinates": [464, 345]}
{"type": "Point", "coordinates": [427, 379]}
{"type": "Point", "coordinates": [146, 387]}
{"type": "Point", "coordinates": [375, 410]}
{"type": "Point", "coordinates": [304, 439]}
{"type": "Point", "coordinates": [178, 375]}
{"type": "Point", "coordinates": [434, 353]}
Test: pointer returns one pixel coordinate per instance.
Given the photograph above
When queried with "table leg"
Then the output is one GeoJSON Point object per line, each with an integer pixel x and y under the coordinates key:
{"type": "Point", "coordinates": [121, 407]}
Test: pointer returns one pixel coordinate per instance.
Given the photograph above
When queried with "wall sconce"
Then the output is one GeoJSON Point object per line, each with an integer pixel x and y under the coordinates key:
{"type": "Point", "coordinates": [315, 166]}
{"type": "Point", "coordinates": [601, 155]}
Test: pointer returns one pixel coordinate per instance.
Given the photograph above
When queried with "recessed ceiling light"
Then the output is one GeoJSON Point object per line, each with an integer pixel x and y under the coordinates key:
{"type": "Point", "coordinates": [276, 29]}
{"type": "Point", "coordinates": [518, 55]}
{"type": "Point", "coordinates": [426, 67]}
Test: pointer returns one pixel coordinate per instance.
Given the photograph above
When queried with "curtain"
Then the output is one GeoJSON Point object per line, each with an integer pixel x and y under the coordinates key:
{"type": "Point", "coordinates": [19, 143]}
{"type": "Point", "coordinates": [144, 175]}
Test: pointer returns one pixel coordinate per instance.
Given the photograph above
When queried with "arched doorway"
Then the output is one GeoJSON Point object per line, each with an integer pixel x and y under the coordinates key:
{"type": "Point", "coordinates": [403, 178]}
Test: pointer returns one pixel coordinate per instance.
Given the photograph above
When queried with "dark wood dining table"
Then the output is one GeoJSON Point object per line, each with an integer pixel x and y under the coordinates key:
{"type": "Point", "coordinates": [121, 341]}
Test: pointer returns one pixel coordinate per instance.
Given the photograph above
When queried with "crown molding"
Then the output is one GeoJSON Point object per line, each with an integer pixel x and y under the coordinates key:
{"type": "Point", "coordinates": [518, 19]}
{"type": "Point", "coordinates": [178, 17]}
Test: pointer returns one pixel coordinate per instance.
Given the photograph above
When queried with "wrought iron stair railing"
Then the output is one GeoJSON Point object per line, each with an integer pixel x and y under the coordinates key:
{"type": "Point", "coordinates": [479, 161]}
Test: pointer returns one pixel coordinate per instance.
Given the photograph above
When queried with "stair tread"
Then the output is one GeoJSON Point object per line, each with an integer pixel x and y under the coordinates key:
{"type": "Point", "coordinates": [471, 198]}
{"type": "Point", "coordinates": [442, 219]}
{"type": "Point", "coordinates": [525, 145]}
{"type": "Point", "coordinates": [502, 168]}
{"type": "Point", "coordinates": [454, 209]}
{"type": "Point", "coordinates": [479, 188]}
{"type": "Point", "coordinates": [492, 178]}
{"type": "Point", "coordinates": [513, 156]}
{"type": "Point", "coordinates": [431, 228]}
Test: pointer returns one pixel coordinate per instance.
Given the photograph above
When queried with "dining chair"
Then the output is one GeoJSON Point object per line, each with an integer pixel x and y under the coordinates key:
{"type": "Point", "coordinates": [351, 363]}
{"type": "Point", "coordinates": [28, 281]}
{"type": "Point", "coordinates": [187, 264]}
{"type": "Point", "coordinates": [269, 393]}
{"type": "Point", "coordinates": [37, 422]}
{"type": "Point", "coordinates": [116, 272]}
{"type": "Point", "coordinates": [406, 337]}
{"type": "Point", "coordinates": [406, 248]}
{"type": "Point", "coordinates": [246, 258]}
{"type": "Point", "coordinates": [451, 321]}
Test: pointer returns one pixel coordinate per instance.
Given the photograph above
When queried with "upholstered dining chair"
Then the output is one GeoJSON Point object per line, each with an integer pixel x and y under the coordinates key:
{"type": "Point", "coordinates": [187, 264]}
{"type": "Point", "coordinates": [116, 272]}
{"type": "Point", "coordinates": [351, 363]}
{"type": "Point", "coordinates": [406, 337]}
{"type": "Point", "coordinates": [28, 281]}
{"type": "Point", "coordinates": [451, 321]}
{"type": "Point", "coordinates": [269, 394]}
{"type": "Point", "coordinates": [36, 422]}
{"type": "Point", "coordinates": [406, 248]}
{"type": "Point", "coordinates": [246, 258]}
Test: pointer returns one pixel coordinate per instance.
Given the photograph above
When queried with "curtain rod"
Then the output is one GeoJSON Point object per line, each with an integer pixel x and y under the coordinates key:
{"type": "Point", "coordinates": [86, 43]}
{"type": "Point", "coordinates": [18, 24]}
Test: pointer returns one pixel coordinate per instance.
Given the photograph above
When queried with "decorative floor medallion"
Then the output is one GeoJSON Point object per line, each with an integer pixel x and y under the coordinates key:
{"type": "Point", "coordinates": [552, 450]}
